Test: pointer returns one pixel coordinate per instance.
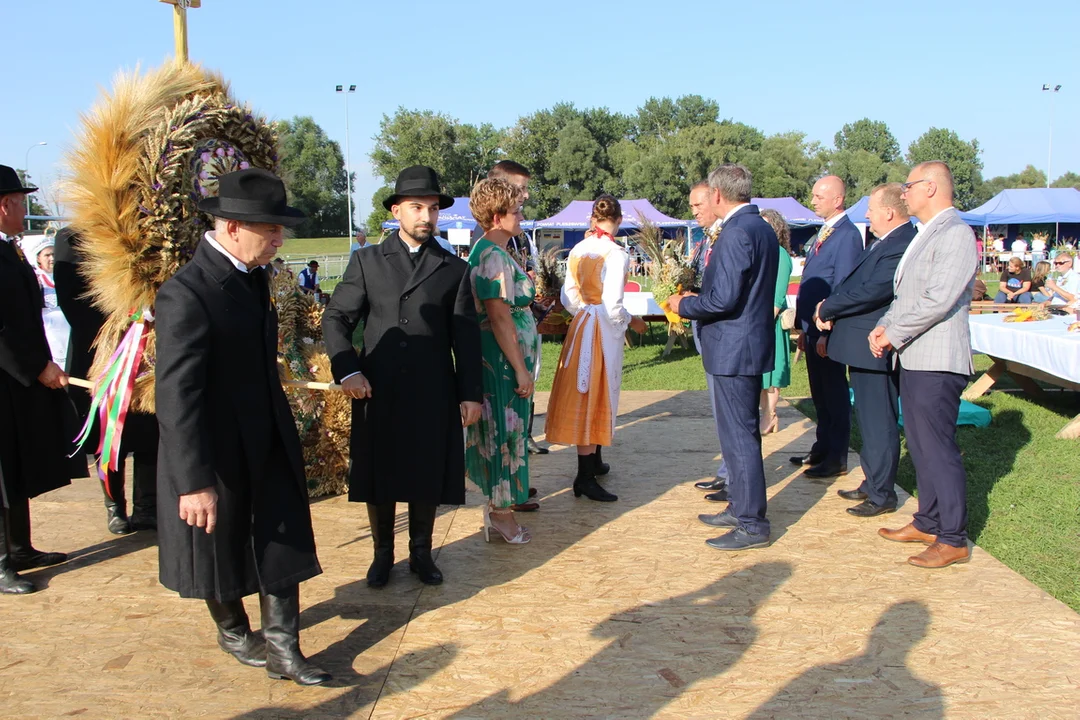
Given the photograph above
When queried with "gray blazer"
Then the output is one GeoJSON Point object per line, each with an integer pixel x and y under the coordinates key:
{"type": "Point", "coordinates": [927, 322]}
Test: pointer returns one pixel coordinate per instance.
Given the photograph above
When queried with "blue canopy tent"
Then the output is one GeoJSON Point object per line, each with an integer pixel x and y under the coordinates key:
{"type": "Point", "coordinates": [573, 220]}
{"type": "Point", "coordinates": [857, 213]}
{"type": "Point", "coordinates": [457, 216]}
{"type": "Point", "coordinates": [1056, 206]}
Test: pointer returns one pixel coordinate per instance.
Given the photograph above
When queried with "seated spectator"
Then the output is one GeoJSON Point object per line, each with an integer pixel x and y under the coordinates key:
{"type": "Point", "coordinates": [1038, 282]}
{"type": "Point", "coordinates": [1066, 289]}
{"type": "Point", "coordinates": [1015, 283]}
{"type": "Point", "coordinates": [309, 278]}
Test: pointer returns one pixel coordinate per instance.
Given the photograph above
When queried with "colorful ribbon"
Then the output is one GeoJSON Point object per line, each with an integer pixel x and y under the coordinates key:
{"type": "Point", "coordinates": [112, 398]}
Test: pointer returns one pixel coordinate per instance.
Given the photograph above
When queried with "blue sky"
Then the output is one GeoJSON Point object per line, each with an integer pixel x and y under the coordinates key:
{"type": "Point", "coordinates": [973, 66]}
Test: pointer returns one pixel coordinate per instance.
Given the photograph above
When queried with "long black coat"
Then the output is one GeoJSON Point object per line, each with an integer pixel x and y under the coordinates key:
{"type": "Point", "coordinates": [422, 357]}
{"type": "Point", "coordinates": [35, 422]}
{"type": "Point", "coordinates": [225, 423]}
{"type": "Point", "coordinates": [140, 429]}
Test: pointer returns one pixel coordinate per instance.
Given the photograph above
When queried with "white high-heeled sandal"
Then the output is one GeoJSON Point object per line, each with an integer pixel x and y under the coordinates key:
{"type": "Point", "coordinates": [520, 538]}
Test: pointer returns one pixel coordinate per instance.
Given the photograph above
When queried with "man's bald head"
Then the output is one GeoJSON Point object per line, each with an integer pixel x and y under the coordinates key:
{"type": "Point", "coordinates": [828, 196]}
{"type": "Point", "coordinates": [929, 189]}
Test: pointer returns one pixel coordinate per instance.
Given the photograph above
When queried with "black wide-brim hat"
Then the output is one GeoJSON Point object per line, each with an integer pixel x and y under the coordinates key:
{"type": "Point", "coordinates": [10, 182]}
{"type": "Point", "coordinates": [252, 195]}
{"type": "Point", "coordinates": [418, 181]}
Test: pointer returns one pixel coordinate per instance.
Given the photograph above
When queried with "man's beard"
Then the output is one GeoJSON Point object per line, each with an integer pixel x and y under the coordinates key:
{"type": "Point", "coordinates": [422, 233]}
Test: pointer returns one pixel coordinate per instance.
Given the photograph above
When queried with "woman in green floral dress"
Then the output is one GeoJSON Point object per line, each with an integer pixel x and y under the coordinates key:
{"type": "Point", "coordinates": [496, 459]}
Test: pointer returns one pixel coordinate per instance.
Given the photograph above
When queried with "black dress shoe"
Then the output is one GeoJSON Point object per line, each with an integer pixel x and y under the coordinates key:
{"type": "Point", "coordinates": [868, 509]}
{"type": "Point", "coordinates": [807, 459]}
{"type": "Point", "coordinates": [825, 470]}
{"type": "Point", "coordinates": [117, 520]}
{"type": "Point", "coordinates": [421, 563]}
{"type": "Point", "coordinates": [143, 521]}
{"type": "Point", "coordinates": [534, 449]}
{"type": "Point", "coordinates": [35, 559]}
{"type": "Point", "coordinates": [12, 584]}
{"type": "Point", "coordinates": [724, 518]}
{"type": "Point", "coordinates": [852, 494]}
{"type": "Point", "coordinates": [711, 485]}
{"type": "Point", "coordinates": [378, 573]}
{"type": "Point", "coordinates": [720, 495]}
{"type": "Point", "coordinates": [738, 539]}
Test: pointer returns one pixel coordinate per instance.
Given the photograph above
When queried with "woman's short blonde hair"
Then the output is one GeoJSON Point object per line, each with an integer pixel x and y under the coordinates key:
{"type": "Point", "coordinates": [491, 197]}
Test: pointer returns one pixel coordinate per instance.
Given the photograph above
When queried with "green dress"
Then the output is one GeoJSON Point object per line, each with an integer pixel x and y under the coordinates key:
{"type": "Point", "coordinates": [780, 377]}
{"type": "Point", "coordinates": [496, 460]}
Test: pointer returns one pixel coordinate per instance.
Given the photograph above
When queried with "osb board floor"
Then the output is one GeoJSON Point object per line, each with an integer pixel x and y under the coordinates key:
{"type": "Point", "coordinates": [613, 611]}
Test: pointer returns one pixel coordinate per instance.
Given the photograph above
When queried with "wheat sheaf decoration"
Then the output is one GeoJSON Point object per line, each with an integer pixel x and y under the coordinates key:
{"type": "Point", "coordinates": [147, 152]}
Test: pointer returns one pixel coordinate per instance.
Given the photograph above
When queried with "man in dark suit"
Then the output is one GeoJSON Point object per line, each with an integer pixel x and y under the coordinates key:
{"type": "Point", "coordinates": [829, 259]}
{"type": "Point", "coordinates": [736, 327]}
{"type": "Point", "coordinates": [140, 430]}
{"type": "Point", "coordinates": [33, 446]}
{"type": "Point", "coordinates": [417, 380]}
{"type": "Point", "coordinates": [233, 516]}
{"type": "Point", "coordinates": [848, 315]}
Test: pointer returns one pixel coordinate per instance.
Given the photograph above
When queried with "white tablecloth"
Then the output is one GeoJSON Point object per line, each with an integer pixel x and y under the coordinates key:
{"type": "Point", "coordinates": [641, 303]}
{"type": "Point", "coordinates": [1045, 345]}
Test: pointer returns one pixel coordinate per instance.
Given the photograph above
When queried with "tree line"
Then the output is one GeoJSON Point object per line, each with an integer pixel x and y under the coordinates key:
{"type": "Point", "coordinates": [658, 153]}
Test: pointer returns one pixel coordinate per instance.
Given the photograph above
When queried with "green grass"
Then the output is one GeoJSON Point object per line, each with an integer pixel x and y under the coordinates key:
{"type": "Point", "coordinates": [1023, 483]}
{"type": "Point", "coordinates": [310, 247]}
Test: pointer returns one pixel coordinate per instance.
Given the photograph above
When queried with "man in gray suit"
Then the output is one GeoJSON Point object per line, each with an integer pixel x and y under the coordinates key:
{"type": "Point", "coordinates": [927, 326]}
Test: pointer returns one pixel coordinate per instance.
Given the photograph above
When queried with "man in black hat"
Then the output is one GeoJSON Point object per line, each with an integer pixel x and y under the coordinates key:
{"type": "Point", "coordinates": [233, 516]}
{"type": "Point", "coordinates": [416, 381]}
{"type": "Point", "coordinates": [33, 446]}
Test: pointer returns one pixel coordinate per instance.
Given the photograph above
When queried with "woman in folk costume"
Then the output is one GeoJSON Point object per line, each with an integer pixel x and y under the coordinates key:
{"type": "Point", "coordinates": [585, 395]}
{"type": "Point", "coordinates": [39, 252]}
{"type": "Point", "coordinates": [496, 460]}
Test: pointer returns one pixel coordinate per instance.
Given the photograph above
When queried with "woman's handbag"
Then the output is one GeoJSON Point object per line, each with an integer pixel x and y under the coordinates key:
{"type": "Point", "coordinates": [787, 319]}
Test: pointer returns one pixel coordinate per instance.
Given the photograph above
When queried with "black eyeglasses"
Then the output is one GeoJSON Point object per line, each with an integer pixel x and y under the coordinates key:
{"type": "Point", "coordinates": [1062, 262]}
{"type": "Point", "coordinates": [904, 187]}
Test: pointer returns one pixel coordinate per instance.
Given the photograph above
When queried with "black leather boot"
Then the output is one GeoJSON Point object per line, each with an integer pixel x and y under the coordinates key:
{"type": "Point", "coordinates": [21, 554]}
{"type": "Point", "coordinates": [115, 502]}
{"type": "Point", "coordinates": [234, 633]}
{"type": "Point", "coordinates": [281, 628]}
{"type": "Point", "coordinates": [144, 491]}
{"type": "Point", "coordinates": [585, 482]}
{"type": "Point", "coordinates": [601, 468]}
{"type": "Point", "coordinates": [421, 526]}
{"type": "Point", "coordinates": [531, 446]}
{"type": "Point", "coordinates": [381, 518]}
{"type": "Point", "coordinates": [10, 581]}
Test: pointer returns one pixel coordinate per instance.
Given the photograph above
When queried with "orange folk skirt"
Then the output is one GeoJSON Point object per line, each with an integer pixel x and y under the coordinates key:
{"type": "Point", "coordinates": [575, 417]}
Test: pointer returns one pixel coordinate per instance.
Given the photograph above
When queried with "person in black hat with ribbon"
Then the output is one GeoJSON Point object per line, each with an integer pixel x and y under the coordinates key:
{"type": "Point", "coordinates": [417, 379]}
{"type": "Point", "coordinates": [33, 445]}
{"type": "Point", "coordinates": [233, 516]}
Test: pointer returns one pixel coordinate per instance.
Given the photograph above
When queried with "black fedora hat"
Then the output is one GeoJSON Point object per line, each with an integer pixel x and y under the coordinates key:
{"type": "Point", "coordinates": [10, 182]}
{"type": "Point", "coordinates": [418, 181]}
{"type": "Point", "coordinates": [252, 195]}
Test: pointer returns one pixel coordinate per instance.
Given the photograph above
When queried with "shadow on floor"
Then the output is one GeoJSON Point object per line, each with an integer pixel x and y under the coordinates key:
{"type": "Point", "coordinates": [853, 688]}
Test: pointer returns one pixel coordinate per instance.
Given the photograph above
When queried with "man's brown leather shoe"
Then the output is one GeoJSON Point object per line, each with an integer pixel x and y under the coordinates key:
{"type": "Point", "coordinates": [908, 533]}
{"type": "Point", "coordinates": [940, 555]}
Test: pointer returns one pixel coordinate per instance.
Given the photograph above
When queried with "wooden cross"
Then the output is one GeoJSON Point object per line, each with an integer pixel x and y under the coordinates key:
{"type": "Point", "coordinates": [180, 25]}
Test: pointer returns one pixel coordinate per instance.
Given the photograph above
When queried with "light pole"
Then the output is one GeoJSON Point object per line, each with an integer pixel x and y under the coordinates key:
{"type": "Point", "coordinates": [348, 175]}
{"type": "Point", "coordinates": [1053, 90]}
{"type": "Point", "coordinates": [26, 175]}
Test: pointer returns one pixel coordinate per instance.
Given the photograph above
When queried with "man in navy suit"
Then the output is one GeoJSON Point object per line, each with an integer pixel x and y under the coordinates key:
{"type": "Point", "coordinates": [830, 258]}
{"type": "Point", "coordinates": [735, 325]}
{"type": "Point", "coordinates": [848, 316]}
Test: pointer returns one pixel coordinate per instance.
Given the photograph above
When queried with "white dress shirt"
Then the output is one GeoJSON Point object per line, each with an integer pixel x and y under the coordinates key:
{"type": "Point", "coordinates": [211, 238]}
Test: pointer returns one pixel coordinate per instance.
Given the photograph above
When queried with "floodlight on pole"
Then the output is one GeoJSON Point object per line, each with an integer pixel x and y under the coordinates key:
{"type": "Point", "coordinates": [26, 175]}
{"type": "Point", "coordinates": [1053, 90]}
{"type": "Point", "coordinates": [348, 174]}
